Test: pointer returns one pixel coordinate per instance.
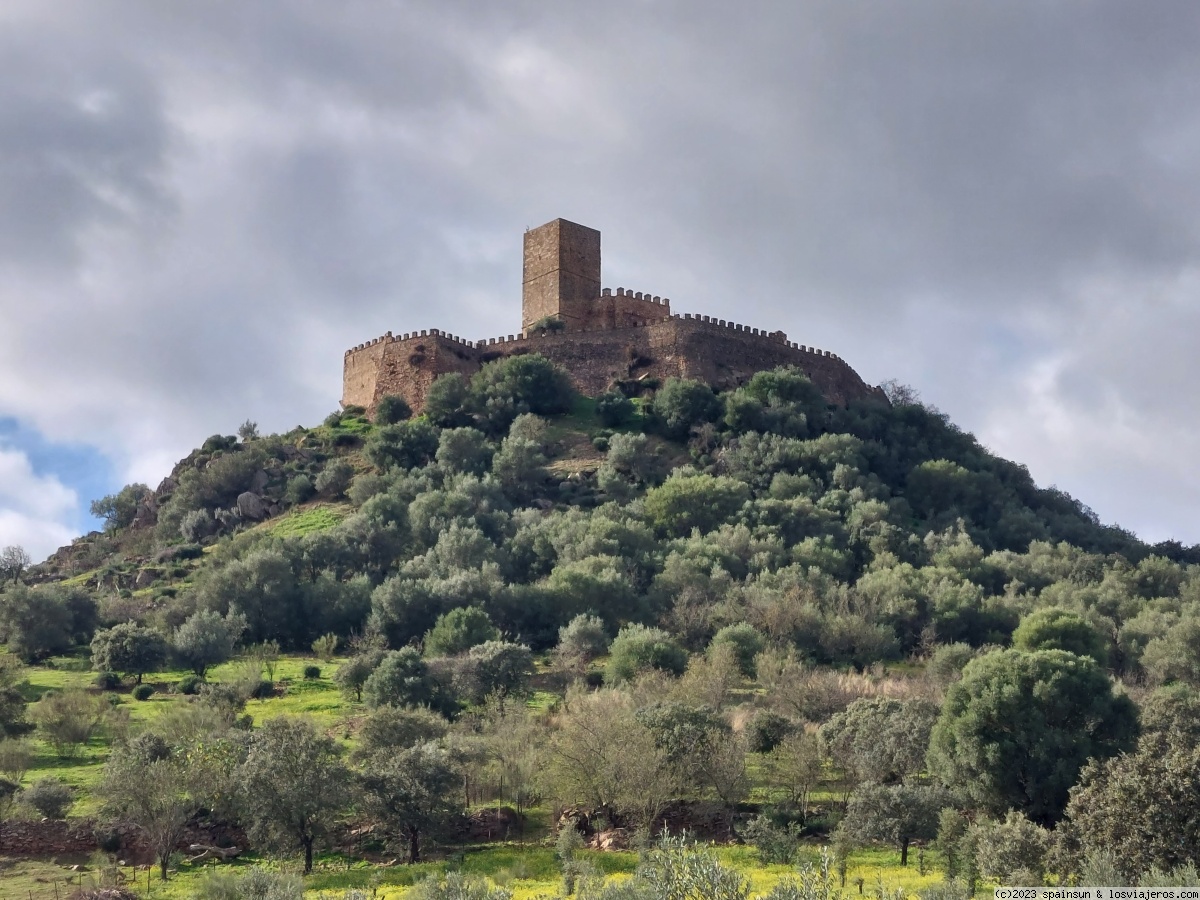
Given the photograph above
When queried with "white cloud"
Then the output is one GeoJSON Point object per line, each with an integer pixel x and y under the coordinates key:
{"type": "Point", "coordinates": [36, 511]}
{"type": "Point", "coordinates": [203, 205]}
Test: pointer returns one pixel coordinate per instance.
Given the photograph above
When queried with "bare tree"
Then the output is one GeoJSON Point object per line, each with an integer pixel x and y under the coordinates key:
{"type": "Point", "coordinates": [13, 562]}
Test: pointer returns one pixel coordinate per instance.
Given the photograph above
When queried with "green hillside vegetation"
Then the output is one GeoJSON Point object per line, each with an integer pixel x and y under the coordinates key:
{"type": "Point", "coordinates": [474, 641]}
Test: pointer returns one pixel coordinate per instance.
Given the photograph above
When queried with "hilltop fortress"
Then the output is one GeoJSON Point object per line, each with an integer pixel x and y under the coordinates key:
{"type": "Point", "coordinates": [601, 338]}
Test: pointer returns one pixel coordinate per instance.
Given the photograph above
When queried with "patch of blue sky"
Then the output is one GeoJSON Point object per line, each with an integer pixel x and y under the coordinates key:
{"type": "Point", "coordinates": [78, 466]}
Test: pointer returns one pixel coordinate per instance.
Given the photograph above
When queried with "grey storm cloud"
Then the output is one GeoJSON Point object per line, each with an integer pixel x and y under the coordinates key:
{"type": "Point", "coordinates": [203, 204]}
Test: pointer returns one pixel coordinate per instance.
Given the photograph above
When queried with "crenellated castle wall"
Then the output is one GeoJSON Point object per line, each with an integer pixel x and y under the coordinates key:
{"type": "Point", "coordinates": [723, 354]}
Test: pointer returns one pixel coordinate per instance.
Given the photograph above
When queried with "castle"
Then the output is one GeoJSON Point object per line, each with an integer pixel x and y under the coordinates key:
{"type": "Point", "coordinates": [600, 338]}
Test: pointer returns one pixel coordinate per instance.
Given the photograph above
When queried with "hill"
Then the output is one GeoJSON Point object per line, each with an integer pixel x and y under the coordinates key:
{"type": "Point", "coordinates": [697, 571]}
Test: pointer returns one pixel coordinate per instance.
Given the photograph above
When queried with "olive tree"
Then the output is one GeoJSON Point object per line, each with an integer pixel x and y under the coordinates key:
{"type": "Point", "coordinates": [413, 792]}
{"type": "Point", "coordinates": [291, 784]}
{"type": "Point", "coordinates": [152, 793]}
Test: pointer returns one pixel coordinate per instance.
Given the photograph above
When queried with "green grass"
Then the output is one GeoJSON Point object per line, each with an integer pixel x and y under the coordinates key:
{"type": "Point", "coordinates": [306, 519]}
{"type": "Point", "coordinates": [527, 867]}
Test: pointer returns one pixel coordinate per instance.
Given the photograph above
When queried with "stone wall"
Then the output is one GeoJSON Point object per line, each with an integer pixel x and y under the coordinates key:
{"type": "Point", "coordinates": [720, 353]}
{"type": "Point", "coordinates": [45, 837]}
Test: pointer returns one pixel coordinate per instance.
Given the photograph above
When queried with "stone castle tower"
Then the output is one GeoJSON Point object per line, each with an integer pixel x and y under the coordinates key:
{"type": "Point", "coordinates": [603, 340]}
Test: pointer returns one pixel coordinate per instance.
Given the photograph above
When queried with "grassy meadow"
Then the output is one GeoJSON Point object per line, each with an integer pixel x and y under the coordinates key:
{"type": "Point", "coordinates": [527, 867]}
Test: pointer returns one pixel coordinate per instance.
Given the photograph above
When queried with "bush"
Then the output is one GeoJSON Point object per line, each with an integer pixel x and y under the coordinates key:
{"type": "Point", "coordinates": [392, 409]}
{"type": "Point", "coordinates": [189, 685]}
{"type": "Point", "coordinates": [299, 490]}
{"type": "Point", "coordinates": [745, 640]}
{"type": "Point", "coordinates": [334, 479]}
{"type": "Point", "coordinates": [265, 689]}
{"type": "Point", "coordinates": [682, 403]}
{"type": "Point", "coordinates": [108, 681]}
{"type": "Point", "coordinates": [775, 845]}
{"type": "Point", "coordinates": [312, 673]}
{"type": "Point", "coordinates": [325, 646]}
{"type": "Point", "coordinates": [143, 692]}
{"type": "Point", "coordinates": [614, 409]}
{"type": "Point", "coordinates": [458, 631]}
{"type": "Point", "coordinates": [49, 796]}
{"type": "Point", "coordinates": [767, 730]}
{"type": "Point", "coordinates": [637, 648]}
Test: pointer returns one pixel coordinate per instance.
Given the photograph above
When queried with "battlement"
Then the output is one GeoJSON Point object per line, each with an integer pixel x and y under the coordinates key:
{"type": "Point", "coordinates": [605, 337]}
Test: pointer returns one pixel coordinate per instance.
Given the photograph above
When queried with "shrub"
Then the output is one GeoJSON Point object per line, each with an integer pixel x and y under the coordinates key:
{"type": "Point", "coordinates": [396, 728]}
{"type": "Point", "coordinates": [189, 685]}
{"type": "Point", "coordinates": [637, 648]}
{"type": "Point", "coordinates": [775, 845]}
{"type": "Point", "coordinates": [405, 445]}
{"type": "Point", "coordinates": [265, 689]}
{"type": "Point", "coordinates": [334, 479]}
{"type": "Point", "coordinates": [614, 409]}
{"type": "Point", "coordinates": [682, 403]}
{"type": "Point", "coordinates": [49, 796]}
{"type": "Point", "coordinates": [459, 630]}
{"type": "Point", "coordinates": [747, 642]}
{"type": "Point", "coordinates": [143, 692]}
{"type": "Point", "coordinates": [392, 409]}
{"type": "Point", "coordinates": [325, 646]}
{"type": "Point", "coordinates": [767, 730]}
{"type": "Point", "coordinates": [68, 720]}
{"type": "Point", "coordinates": [299, 489]}
{"type": "Point", "coordinates": [312, 673]}
{"type": "Point", "coordinates": [108, 681]}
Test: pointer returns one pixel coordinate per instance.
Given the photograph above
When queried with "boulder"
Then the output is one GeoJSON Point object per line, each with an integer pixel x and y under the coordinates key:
{"type": "Point", "coordinates": [258, 483]}
{"type": "Point", "coordinates": [251, 506]}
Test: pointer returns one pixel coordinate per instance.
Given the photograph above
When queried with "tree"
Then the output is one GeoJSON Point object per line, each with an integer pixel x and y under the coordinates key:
{"type": "Point", "coordinates": [392, 408]}
{"type": "Point", "coordinates": [1018, 728]}
{"type": "Point", "coordinates": [13, 561]}
{"type": "Point", "coordinates": [413, 792]}
{"type": "Point", "coordinates": [880, 741]}
{"type": "Point", "coordinates": [1143, 807]}
{"type": "Point", "coordinates": [499, 668]}
{"type": "Point", "coordinates": [12, 701]}
{"type": "Point", "coordinates": [692, 501]}
{"type": "Point", "coordinates": [1011, 851]}
{"type": "Point", "coordinates": [707, 756]}
{"type": "Point", "coordinates": [404, 445]}
{"type": "Point", "coordinates": [458, 631]}
{"type": "Point", "coordinates": [354, 672]}
{"type": "Point", "coordinates": [464, 450]}
{"type": "Point", "coordinates": [37, 622]}
{"type": "Point", "coordinates": [49, 796]}
{"type": "Point", "coordinates": [896, 814]}
{"type": "Point", "coordinates": [580, 641]}
{"type": "Point", "coordinates": [796, 765]}
{"type": "Point", "coordinates": [519, 464]}
{"type": "Point", "coordinates": [67, 720]}
{"type": "Point", "coordinates": [506, 388]}
{"type": "Point", "coordinates": [391, 728]}
{"type": "Point", "coordinates": [637, 648]}
{"type": "Point", "coordinates": [681, 403]}
{"type": "Point", "coordinates": [1061, 629]}
{"type": "Point", "coordinates": [129, 648]}
{"type": "Point", "coordinates": [291, 784]}
{"type": "Point", "coordinates": [153, 795]}
{"type": "Point", "coordinates": [402, 678]}
{"type": "Point", "coordinates": [448, 400]}
{"type": "Point", "coordinates": [1176, 655]}
{"type": "Point", "coordinates": [206, 639]}
{"type": "Point", "coordinates": [747, 642]}
{"type": "Point", "coordinates": [248, 431]}
{"type": "Point", "coordinates": [591, 758]}
{"type": "Point", "coordinates": [118, 510]}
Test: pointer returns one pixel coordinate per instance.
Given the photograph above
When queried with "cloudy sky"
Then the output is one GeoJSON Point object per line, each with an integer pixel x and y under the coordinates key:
{"type": "Point", "coordinates": [202, 204]}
